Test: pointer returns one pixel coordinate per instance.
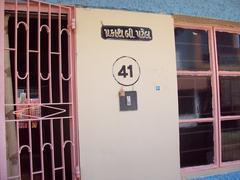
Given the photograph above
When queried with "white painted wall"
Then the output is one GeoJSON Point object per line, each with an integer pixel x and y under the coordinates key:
{"type": "Point", "coordinates": [135, 145]}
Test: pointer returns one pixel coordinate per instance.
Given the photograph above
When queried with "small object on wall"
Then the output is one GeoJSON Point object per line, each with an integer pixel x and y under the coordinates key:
{"type": "Point", "coordinates": [157, 88]}
{"type": "Point", "coordinates": [128, 100]}
{"type": "Point", "coordinates": [121, 92]}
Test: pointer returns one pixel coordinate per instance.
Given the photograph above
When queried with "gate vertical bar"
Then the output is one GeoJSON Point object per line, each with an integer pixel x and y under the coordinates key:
{"type": "Point", "coordinates": [60, 87]}
{"type": "Point", "coordinates": [72, 99]}
{"type": "Point", "coordinates": [50, 85]}
{"type": "Point", "coordinates": [3, 167]}
{"type": "Point", "coordinates": [49, 55]}
{"type": "Point", "coordinates": [74, 93]}
{"type": "Point", "coordinates": [39, 86]}
{"type": "Point", "coordinates": [28, 88]}
{"type": "Point", "coordinates": [60, 51]}
{"type": "Point", "coordinates": [16, 77]}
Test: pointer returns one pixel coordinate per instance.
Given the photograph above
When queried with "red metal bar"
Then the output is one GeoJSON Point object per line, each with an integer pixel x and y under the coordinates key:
{"type": "Point", "coordinates": [192, 26]}
{"type": "Point", "coordinates": [194, 73]}
{"type": "Point", "coordinates": [219, 105]}
{"type": "Point", "coordinates": [74, 93]}
{"type": "Point", "coordinates": [60, 87]}
{"type": "Point", "coordinates": [71, 60]}
{"type": "Point", "coordinates": [60, 52]}
{"type": "Point", "coordinates": [50, 87]}
{"type": "Point", "coordinates": [38, 119]}
{"type": "Point", "coordinates": [52, 149]}
{"type": "Point", "coordinates": [43, 104]}
{"type": "Point", "coordinates": [231, 163]}
{"type": "Point", "coordinates": [3, 158]}
{"type": "Point", "coordinates": [189, 170]}
{"type": "Point", "coordinates": [49, 53]}
{"type": "Point", "coordinates": [27, 51]}
{"type": "Point", "coordinates": [16, 77]}
{"type": "Point", "coordinates": [229, 73]}
{"type": "Point", "coordinates": [201, 120]}
{"type": "Point", "coordinates": [227, 29]}
{"type": "Point", "coordinates": [39, 51]}
{"type": "Point", "coordinates": [227, 118]}
{"type": "Point", "coordinates": [62, 146]}
{"type": "Point", "coordinates": [28, 88]}
{"type": "Point", "coordinates": [39, 84]}
{"type": "Point", "coordinates": [216, 107]}
{"type": "Point", "coordinates": [22, 7]}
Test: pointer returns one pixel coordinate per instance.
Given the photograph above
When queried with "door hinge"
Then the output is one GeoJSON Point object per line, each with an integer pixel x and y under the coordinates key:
{"type": "Point", "coordinates": [73, 23]}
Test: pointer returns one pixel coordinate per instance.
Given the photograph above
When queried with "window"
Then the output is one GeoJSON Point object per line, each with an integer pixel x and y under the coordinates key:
{"type": "Point", "coordinates": [192, 49]}
{"type": "Point", "coordinates": [194, 97]}
{"type": "Point", "coordinates": [208, 69]}
{"type": "Point", "coordinates": [228, 53]}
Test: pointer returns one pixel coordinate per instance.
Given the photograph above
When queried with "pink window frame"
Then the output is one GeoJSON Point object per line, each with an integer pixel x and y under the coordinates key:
{"type": "Point", "coordinates": [35, 8]}
{"type": "Point", "coordinates": [214, 73]}
{"type": "Point", "coordinates": [219, 74]}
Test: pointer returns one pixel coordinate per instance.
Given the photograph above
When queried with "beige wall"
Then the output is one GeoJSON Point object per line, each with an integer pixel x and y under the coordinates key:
{"type": "Point", "coordinates": [134, 145]}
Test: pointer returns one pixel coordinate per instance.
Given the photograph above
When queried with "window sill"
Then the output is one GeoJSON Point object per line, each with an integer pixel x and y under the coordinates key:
{"type": "Point", "coordinates": [190, 173]}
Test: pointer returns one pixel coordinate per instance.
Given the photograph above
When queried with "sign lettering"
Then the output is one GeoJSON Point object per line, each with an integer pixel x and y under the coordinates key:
{"type": "Point", "coordinates": [126, 33]}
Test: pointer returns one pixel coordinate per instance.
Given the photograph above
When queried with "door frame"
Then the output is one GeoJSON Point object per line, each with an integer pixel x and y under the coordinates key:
{"type": "Point", "coordinates": [70, 10]}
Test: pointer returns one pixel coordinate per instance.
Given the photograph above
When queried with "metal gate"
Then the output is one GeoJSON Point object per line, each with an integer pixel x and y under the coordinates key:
{"type": "Point", "coordinates": [38, 122]}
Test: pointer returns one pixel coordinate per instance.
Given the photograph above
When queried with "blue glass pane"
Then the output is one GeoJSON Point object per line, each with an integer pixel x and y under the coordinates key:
{"type": "Point", "coordinates": [229, 95]}
{"type": "Point", "coordinates": [192, 51]}
{"type": "Point", "coordinates": [230, 140]}
{"type": "Point", "coordinates": [228, 49]}
{"type": "Point", "coordinates": [194, 97]}
{"type": "Point", "coordinates": [196, 144]}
